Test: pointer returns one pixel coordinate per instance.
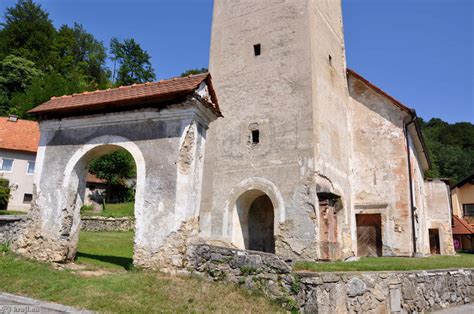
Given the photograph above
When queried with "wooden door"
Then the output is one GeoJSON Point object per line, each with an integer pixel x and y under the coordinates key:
{"type": "Point", "coordinates": [369, 235]}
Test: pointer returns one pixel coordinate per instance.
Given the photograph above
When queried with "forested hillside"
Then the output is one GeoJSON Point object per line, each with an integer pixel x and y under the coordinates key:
{"type": "Point", "coordinates": [451, 148]}
{"type": "Point", "coordinates": [38, 61]}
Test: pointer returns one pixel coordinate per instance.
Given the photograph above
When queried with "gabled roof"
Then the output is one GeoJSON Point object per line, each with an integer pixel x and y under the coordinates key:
{"type": "Point", "coordinates": [460, 226]}
{"type": "Point", "coordinates": [19, 135]}
{"type": "Point", "coordinates": [398, 104]}
{"type": "Point", "coordinates": [130, 96]}
{"type": "Point", "coordinates": [468, 179]}
{"type": "Point", "coordinates": [380, 91]}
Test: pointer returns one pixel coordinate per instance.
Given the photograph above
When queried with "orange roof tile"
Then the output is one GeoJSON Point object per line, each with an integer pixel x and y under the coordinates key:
{"type": "Point", "coordinates": [130, 95]}
{"type": "Point", "coordinates": [460, 226]}
{"type": "Point", "coordinates": [93, 179]}
{"type": "Point", "coordinates": [21, 135]}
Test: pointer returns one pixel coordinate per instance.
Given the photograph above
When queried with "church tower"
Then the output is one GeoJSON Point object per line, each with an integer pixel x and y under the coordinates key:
{"type": "Point", "coordinates": [276, 171]}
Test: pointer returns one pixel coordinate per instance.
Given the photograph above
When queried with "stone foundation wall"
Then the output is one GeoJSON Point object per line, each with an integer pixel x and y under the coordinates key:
{"type": "Point", "coordinates": [10, 227]}
{"type": "Point", "coordinates": [107, 224]}
{"type": "Point", "coordinates": [372, 292]}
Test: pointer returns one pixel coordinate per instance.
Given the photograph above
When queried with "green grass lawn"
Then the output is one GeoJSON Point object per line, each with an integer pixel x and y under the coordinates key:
{"type": "Point", "coordinates": [121, 291]}
{"type": "Point", "coordinates": [113, 210]}
{"type": "Point", "coordinates": [11, 212]}
{"type": "Point", "coordinates": [112, 250]}
{"type": "Point", "coordinates": [126, 292]}
{"type": "Point", "coordinates": [392, 263]}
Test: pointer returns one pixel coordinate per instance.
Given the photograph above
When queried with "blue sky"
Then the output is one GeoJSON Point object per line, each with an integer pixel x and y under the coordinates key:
{"type": "Point", "coordinates": [419, 51]}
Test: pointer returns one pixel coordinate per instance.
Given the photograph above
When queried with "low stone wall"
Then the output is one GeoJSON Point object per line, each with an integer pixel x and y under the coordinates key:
{"type": "Point", "coordinates": [376, 292]}
{"type": "Point", "coordinates": [10, 227]}
{"type": "Point", "coordinates": [107, 224]}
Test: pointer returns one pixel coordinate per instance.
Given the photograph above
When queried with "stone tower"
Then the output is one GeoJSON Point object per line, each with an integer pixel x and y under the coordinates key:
{"type": "Point", "coordinates": [276, 171]}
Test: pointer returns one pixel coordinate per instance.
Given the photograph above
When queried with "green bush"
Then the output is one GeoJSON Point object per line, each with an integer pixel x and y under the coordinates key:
{"type": "Point", "coordinates": [4, 193]}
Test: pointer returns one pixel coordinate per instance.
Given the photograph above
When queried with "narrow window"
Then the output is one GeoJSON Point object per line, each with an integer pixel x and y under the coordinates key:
{"type": "Point", "coordinates": [31, 167]}
{"type": "Point", "coordinates": [27, 198]}
{"type": "Point", "coordinates": [255, 137]}
{"type": "Point", "coordinates": [7, 165]}
{"type": "Point", "coordinates": [330, 60]}
{"type": "Point", "coordinates": [468, 210]}
{"type": "Point", "coordinates": [257, 49]}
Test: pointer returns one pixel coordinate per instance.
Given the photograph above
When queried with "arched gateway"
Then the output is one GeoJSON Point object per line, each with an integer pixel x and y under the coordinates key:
{"type": "Point", "coordinates": [162, 125]}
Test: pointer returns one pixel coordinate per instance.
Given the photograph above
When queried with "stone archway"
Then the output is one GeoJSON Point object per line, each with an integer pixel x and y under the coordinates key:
{"type": "Point", "coordinates": [164, 132]}
{"type": "Point", "coordinates": [74, 180]}
{"type": "Point", "coordinates": [253, 225]}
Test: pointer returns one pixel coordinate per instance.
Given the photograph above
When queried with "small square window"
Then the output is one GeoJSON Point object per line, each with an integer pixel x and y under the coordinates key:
{"type": "Point", "coordinates": [255, 137]}
{"type": "Point", "coordinates": [7, 165]}
{"type": "Point", "coordinates": [31, 167]}
{"type": "Point", "coordinates": [468, 210]}
{"type": "Point", "coordinates": [27, 198]}
{"type": "Point", "coordinates": [257, 49]}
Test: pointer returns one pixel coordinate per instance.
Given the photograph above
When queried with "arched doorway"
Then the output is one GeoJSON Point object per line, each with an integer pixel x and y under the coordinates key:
{"type": "Point", "coordinates": [76, 183]}
{"type": "Point", "coordinates": [254, 220]}
{"type": "Point", "coordinates": [261, 233]}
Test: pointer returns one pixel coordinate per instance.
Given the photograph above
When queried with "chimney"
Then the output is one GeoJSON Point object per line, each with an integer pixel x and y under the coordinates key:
{"type": "Point", "coordinates": [12, 118]}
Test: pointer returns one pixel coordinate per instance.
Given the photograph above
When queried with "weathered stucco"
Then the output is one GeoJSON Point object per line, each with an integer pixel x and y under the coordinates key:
{"type": "Point", "coordinates": [167, 146]}
{"type": "Point", "coordinates": [290, 93]}
{"type": "Point", "coordinates": [438, 216]}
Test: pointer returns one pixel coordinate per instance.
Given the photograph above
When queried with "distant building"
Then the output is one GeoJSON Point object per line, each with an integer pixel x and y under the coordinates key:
{"type": "Point", "coordinates": [19, 141]}
{"type": "Point", "coordinates": [18, 145]}
{"type": "Point", "coordinates": [96, 190]}
{"type": "Point", "coordinates": [462, 195]}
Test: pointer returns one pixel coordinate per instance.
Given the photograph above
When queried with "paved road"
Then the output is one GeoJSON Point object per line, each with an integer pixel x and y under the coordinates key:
{"type": "Point", "coordinates": [10, 304]}
{"type": "Point", "coordinates": [463, 309]}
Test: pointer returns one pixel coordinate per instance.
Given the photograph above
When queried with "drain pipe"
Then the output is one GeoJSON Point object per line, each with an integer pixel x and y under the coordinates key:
{"type": "Point", "coordinates": [412, 201]}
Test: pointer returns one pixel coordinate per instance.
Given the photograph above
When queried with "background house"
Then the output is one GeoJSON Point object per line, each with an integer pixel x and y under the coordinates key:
{"type": "Point", "coordinates": [462, 195]}
{"type": "Point", "coordinates": [18, 145]}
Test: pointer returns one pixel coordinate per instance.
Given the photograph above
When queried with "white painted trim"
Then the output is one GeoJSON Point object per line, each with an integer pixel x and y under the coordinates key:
{"type": "Point", "coordinates": [122, 142]}
{"type": "Point", "coordinates": [1, 165]}
{"type": "Point", "coordinates": [27, 164]}
{"type": "Point", "coordinates": [187, 110]}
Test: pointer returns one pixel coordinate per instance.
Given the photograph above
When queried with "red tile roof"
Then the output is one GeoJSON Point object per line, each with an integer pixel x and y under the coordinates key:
{"type": "Point", "coordinates": [460, 226]}
{"type": "Point", "coordinates": [20, 135]}
{"type": "Point", "coordinates": [130, 95]}
{"type": "Point", "coordinates": [93, 179]}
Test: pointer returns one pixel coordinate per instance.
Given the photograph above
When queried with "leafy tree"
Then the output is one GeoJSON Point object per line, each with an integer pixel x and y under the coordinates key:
{"type": "Point", "coordinates": [42, 88]}
{"type": "Point", "coordinates": [451, 148]}
{"type": "Point", "coordinates": [194, 71]}
{"type": "Point", "coordinates": [16, 73]}
{"type": "Point", "coordinates": [134, 63]}
{"type": "Point", "coordinates": [116, 169]}
{"type": "Point", "coordinates": [78, 51]}
{"type": "Point", "coordinates": [27, 32]}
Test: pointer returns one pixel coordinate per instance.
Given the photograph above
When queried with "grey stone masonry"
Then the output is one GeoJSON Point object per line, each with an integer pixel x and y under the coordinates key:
{"type": "Point", "coordinates": [360, 292]}
{"type": "Point", "coordinates": [97, 224]}
{"type": "Point", "coordinates": [10, 226]}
